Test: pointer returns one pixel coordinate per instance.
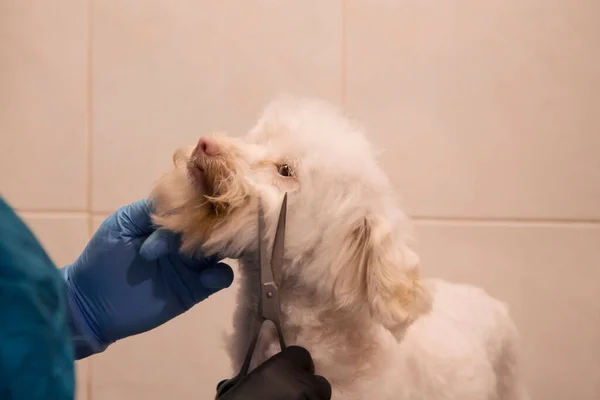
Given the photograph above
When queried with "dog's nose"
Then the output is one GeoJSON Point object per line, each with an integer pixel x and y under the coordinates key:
{"type": "Point", "coordinates": [208, 146]}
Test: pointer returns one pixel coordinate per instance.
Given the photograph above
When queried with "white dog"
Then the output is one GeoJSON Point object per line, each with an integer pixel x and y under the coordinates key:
{"type": "Point", "coordinates": [351, 290]}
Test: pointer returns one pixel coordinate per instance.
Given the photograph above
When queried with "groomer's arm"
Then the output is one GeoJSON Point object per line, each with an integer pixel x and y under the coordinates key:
{"type": "Point", "coordinates": [131, 279]}
{"type": "Point", "coordinates": [36, 357]}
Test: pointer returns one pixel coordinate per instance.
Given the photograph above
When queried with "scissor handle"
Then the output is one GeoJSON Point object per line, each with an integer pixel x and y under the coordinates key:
{"type": "Point", "coordinates": [226, 385]}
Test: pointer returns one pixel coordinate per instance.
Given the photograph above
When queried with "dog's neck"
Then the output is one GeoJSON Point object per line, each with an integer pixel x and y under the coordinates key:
{"type": "Point", "coordinates": [343, 343]}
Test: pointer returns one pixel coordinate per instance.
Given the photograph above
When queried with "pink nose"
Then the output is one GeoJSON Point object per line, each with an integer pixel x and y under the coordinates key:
{"type": "Point", "coordinates": [208, 146]}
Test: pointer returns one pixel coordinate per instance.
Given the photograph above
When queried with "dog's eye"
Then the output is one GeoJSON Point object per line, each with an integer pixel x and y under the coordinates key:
{"type": "Point", "coordinates": [284, 170]}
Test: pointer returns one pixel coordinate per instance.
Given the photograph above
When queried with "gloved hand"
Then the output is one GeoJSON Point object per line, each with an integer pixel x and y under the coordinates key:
{"type": "Point", "coordinates": [289, 375]}
{"type": "Point", "coordinates": [131, 279]}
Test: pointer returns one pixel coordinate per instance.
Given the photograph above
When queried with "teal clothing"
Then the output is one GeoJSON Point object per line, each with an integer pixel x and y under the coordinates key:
{"type": "Point", "coordinates": [36, 348]}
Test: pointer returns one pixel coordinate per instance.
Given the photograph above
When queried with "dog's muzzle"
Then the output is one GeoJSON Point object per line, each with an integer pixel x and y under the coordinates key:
{"type": "Point", "coordinates": [212, 169]}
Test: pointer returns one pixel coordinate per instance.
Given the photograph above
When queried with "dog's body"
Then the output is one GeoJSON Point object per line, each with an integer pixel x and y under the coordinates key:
{"type": "Point", "coordinates": [463, 349]}
{"type": "Point", "coordinates": [351, 291]}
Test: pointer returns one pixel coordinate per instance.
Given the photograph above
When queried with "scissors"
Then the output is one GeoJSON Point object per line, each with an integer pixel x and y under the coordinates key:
{"type": "Point", "coordinates": [268, 303]}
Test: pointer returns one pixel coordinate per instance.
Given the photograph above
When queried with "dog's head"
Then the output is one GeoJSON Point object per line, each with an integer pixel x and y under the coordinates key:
{"type": "Point", "coordinates": [345, 235]}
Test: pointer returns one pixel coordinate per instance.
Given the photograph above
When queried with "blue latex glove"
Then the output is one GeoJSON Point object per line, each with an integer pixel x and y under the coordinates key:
{"type": "Point", "coordinates": [131, 279]}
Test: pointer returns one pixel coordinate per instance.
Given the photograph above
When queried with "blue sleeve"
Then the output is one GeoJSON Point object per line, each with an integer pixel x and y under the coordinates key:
{"type": "Point", "coordinates": [36, 347]}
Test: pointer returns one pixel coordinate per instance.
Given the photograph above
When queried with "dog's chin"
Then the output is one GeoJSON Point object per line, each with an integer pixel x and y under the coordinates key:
{"type": "Point", "coordinates": [197, 177]}
{"type": "Point", "coordinates": [211, 181]}
{"type": "Point", "coordinates": [180, 205]}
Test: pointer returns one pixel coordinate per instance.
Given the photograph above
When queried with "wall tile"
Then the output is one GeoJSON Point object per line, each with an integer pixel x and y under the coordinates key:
{"type": "Point", "coordinates": [63, 236]}
{"type": "Point", "coordinates": [550, 278]}
{"type": "Point", "coordinates": [83, 379]}
{"type": "Point", "coordinates": [165, 74]}
{"type": "Point", "coordinates": [184, 358]}
{"type": "Point", "coordinates": [492, 104]}
{"type": "Point", "coordinates": [43, 64]}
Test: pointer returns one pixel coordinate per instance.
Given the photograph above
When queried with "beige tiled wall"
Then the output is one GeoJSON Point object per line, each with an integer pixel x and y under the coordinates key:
{"type": "Point", "coordinates": [489, 112]}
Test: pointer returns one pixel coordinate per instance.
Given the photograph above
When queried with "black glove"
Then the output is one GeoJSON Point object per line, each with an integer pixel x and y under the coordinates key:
{"type": "Point", "coordinates": [289, 375]}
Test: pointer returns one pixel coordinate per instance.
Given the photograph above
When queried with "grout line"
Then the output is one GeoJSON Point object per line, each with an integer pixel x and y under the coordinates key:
{"type": "Point", "coordinates": [89, 394]}
{"type": "Point", "coordinates": [100, 214]}
{"type": "Point", "coordinates": [343, 55]}
{"type": "Point", "coordinates": [420, 219]}
{"type": "Point", "coordinates": [51, 213]}
{"type": "Point", "coordinates": [89, 120]}
{"type": "Point", "coordinates": [516, 222]}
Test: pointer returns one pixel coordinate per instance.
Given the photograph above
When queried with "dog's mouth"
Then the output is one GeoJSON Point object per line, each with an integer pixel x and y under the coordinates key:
{"type": "Point", "coordinates": [214, 180]}
{"type": "Point", "coordinates": [197, 172]}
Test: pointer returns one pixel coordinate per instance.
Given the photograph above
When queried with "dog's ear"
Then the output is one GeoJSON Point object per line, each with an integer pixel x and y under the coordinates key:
{"type": "Point", "coordinates": [387, 272]}
{"type": "Point", "coordinates": [393, 285]}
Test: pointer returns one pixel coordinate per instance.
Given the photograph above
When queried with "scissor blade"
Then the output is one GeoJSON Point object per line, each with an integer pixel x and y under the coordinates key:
{"type": "Point", "coordinates": [265, 267]}
{"type": "Point", "coordinates": [278, 243]}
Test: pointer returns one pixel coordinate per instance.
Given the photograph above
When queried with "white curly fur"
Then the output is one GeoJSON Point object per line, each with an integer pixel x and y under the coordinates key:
{"type": "Point", "coordinates": [351, 290]}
